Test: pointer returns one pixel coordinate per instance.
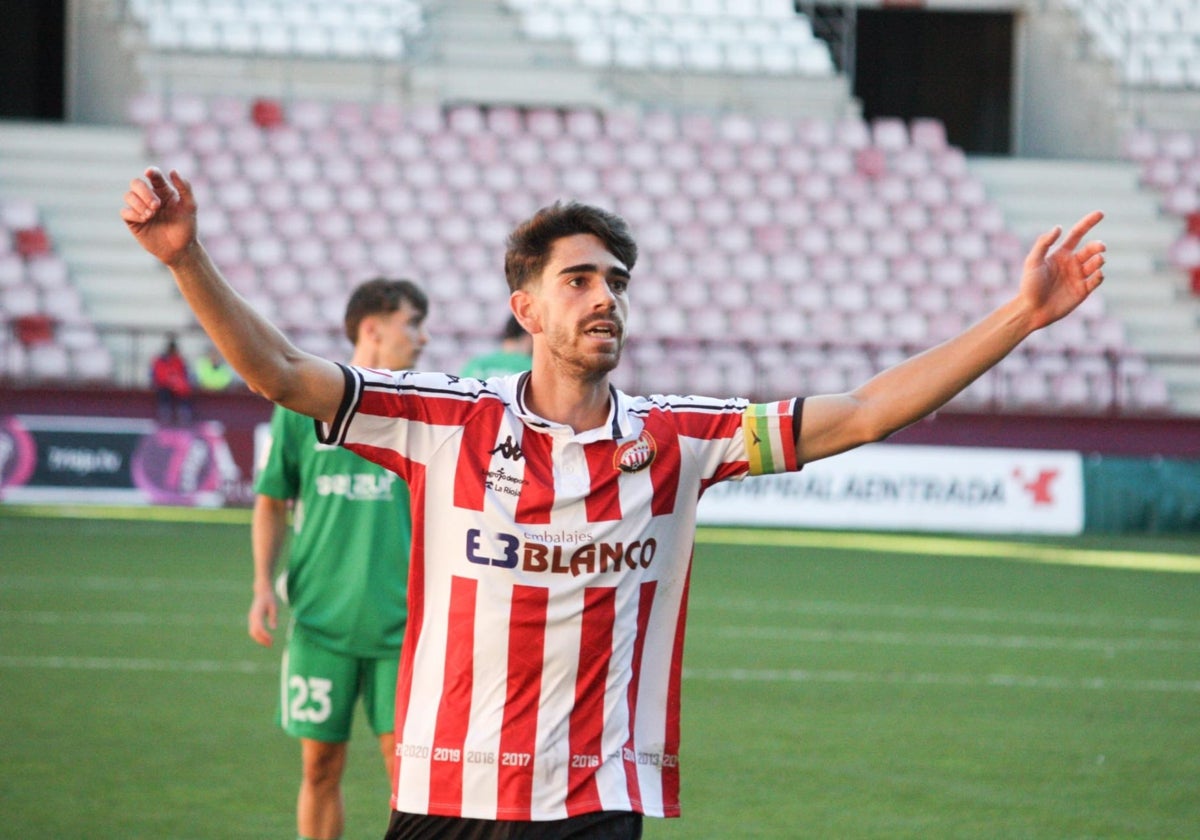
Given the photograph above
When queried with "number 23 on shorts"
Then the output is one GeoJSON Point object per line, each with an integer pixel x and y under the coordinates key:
{"type": "Point", "coordinates": [309, 699]}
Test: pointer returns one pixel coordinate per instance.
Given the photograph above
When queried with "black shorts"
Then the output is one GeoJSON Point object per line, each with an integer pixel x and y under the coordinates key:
{"type": "Point", "coordinates": [602, 825]}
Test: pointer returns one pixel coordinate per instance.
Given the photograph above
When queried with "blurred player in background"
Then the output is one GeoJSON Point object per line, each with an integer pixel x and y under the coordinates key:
{"type": "Point", "coordinates": [540, 684]}
{"type": "Point", "coordinates": [347, 569]}
{"type": "Point", "coordinates": [513, 355]}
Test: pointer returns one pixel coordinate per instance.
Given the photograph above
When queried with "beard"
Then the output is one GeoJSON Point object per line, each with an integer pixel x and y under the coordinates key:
{"type": "Point", "coordinates": [568, 348]}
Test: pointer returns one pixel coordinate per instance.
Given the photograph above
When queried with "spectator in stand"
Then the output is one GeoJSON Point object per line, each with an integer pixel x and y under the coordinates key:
{"type": "Point", "coordinates": [172, 385]}
{"type": "Point", "coordinates": [212, 372]}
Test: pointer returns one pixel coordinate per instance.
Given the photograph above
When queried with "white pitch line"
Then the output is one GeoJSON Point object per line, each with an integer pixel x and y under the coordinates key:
{"type": "Point", "coordinates": [941, 546]}
{"type": "Point", "coordinates": [768, 675]}
{"type": "Point", "coordinates": [970, 640]}
{"type": "Point", "coordinates": [764, 675]}
{"type": "Point", "coordinates": [106, 663]}
{"type": "Point", "coordinates": [98, 583]}
{"type": "Point", "coordinates": [761, 606]}
{"type": "Point", "coordinates": [806, 635]}
{"type": "Point", "coordinates": [697, 603]}
{"type": "Point", "coordinates": [50, 618]}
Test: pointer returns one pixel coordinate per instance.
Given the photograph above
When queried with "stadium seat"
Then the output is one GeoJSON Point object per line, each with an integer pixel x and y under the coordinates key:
{"type": "Point", "coordinates": [758, 230]}
{"type": "Point", "coordinates": [48, 361]}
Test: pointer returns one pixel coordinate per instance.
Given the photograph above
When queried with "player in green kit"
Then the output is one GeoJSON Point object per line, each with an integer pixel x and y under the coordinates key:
{"type": "Point", "coordinates": [347, 569]}
{"type": "Point", "coordinates": [513, 355]}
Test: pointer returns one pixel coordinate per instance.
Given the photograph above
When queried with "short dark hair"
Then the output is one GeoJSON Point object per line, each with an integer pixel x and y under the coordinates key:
{"type": "Point", "coordinates": [382, 296]}
{"type": "Point", "coordinates": [512, 329]}
{"type": "Point", "coordinates": [530, 243]}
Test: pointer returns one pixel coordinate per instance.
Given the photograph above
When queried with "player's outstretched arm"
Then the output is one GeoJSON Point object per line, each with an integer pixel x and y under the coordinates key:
{"type": "Point", "coordinates": [160, 212]}
{"type": "Point", "coordinates": [1054, 282]}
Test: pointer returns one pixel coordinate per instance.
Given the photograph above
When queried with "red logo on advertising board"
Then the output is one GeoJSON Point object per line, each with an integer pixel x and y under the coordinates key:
{"type": "Point", "coordinates": [1037, 488]}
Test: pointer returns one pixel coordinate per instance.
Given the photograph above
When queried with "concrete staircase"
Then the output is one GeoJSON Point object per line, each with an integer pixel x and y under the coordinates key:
{"type": "Point", "coordinates": [1074, 99]}
{"type": "Point", "coordinates": [475, 52]}
{"type": "Point", "coordinates": [77, 176]}
{"type": "Point", "coordinates": [1161, 316]}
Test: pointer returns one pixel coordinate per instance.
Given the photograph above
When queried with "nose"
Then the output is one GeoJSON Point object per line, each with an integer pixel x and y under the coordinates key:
{"type": "Point", "coordinates": [604, 298]}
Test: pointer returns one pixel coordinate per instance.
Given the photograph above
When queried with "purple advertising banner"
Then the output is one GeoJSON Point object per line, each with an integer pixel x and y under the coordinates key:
{"type": "Point", "coordinates": [111, 460]}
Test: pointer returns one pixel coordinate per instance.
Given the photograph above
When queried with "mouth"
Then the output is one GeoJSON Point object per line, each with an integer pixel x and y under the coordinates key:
{"type": "Point", "coordinates": [604, 330]}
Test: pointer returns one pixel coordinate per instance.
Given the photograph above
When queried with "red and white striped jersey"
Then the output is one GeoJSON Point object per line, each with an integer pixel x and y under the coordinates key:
{"type": "Point", "coordinates": [540, 673]}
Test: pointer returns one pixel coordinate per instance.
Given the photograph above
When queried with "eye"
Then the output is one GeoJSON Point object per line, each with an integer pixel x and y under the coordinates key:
{"type": "Point", "coordinates": [619, 285]}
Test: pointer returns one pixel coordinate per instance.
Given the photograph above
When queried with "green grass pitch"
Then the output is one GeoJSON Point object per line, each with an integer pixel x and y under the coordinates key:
{"type": "Point", "coordinates": [836, 686]}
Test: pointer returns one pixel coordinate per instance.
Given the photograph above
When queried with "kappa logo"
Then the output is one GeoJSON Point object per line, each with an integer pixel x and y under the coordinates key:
{"type": "Point", "coordinates": [1037, 488]}
{"type": "Point", "coordinates": [635, 455]}
{"type": "Point", "coordinates": [510, 449]}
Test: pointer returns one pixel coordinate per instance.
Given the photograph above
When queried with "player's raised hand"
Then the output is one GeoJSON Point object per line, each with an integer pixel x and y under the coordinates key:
{"type": "Point", "coordinates": [160, 212]}
{"type": "Point", "coordinates": [1057, 279]}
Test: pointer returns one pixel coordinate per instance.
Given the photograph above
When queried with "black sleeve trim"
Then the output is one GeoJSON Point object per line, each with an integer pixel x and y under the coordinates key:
{"type": "Point", "coordinates": [336, 435]}
{"type": "Point", "coordinates": [797, 418]}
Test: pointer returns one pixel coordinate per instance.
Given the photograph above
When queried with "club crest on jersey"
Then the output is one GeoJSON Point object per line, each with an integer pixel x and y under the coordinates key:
{"type": "Point", "coordinates": [636, 454]}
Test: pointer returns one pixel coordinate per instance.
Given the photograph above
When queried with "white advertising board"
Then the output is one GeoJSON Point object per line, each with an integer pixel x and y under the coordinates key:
{"type": "Point", "coordinates": [913, 488]}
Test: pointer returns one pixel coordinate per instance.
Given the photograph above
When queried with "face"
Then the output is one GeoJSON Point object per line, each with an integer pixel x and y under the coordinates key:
{"type": "Point", "coordinates": [393, 340]}
{"type": "Point", "coordinates": [580, 306]}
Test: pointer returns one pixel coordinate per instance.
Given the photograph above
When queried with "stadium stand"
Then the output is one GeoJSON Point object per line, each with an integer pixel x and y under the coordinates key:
{"type": "Point", "coordinates": [48, 334]}
{"type": "Point", "coordinates": [339, 29]}
{"type": "Point", "coordinates": [1151, 43]}
{"type": "Point", "coordinates": [759, 54]}
{"type": "Point", "coordinates": [709, 36]}
{"type": "Point", "coordinates": [68, 174]}
{"type": "Point", "coordinates": [873, 238]}
{"type": "Point", "coordinates": [1168, 164]}
{"type": "Point", "coordinates": [793, 248]}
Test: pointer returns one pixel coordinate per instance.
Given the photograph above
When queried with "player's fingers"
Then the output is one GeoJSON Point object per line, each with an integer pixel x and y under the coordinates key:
{"type": "Point", "coordinates": [1092, 264]}
{"type": "Point", "coordinates": [1091, 249]}
{"type": "Point", "coordinates": [1081, 229]}
{"type": "Point", "coordinates": [1041, 247]}
{"type": "Point", "coordinates": [155, 177]}
{"type": "Point", "coordinates": [139, 195]}
{"type": "Point", "coordinates": [163, 189]}
{"type": "Point", "coordinates": [131, 216]}
{"type": "Point", "coordinates": [181, 185]}
{"type": "Point", "coordinates": [139, 208]}
{"type": "Point", "coordinates": [257, 632]}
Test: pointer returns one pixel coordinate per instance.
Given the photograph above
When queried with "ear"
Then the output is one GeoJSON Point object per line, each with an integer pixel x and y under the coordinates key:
{"type": "Point", "coordinates": [522, 302]}
{"type": "Point", "coordinates": [368, 329]}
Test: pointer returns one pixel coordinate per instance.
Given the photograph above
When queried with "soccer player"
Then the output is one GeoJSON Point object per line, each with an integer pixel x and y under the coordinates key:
{"type": "Point", "coordinates": [554, 515]}
{"type": "Point", "coordinates": [512, 356]}
{"type": "Point", "coordinates": [347, 568]}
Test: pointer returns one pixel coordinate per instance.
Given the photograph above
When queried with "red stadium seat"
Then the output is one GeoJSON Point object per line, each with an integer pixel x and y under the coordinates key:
{"type": "Point", "coordinates": [32, 242]}
{"type": "Point", "coordinates": [34, 329]}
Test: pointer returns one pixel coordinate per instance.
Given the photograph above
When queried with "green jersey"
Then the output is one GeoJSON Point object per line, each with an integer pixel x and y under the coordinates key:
{"type": "Point", "coordinates": [499, 363]}
{"type": "Point", "coordinates": [348, 566]}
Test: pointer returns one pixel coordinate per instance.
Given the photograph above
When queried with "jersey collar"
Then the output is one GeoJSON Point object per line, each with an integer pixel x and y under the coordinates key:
{"type": "Point", "coordinates": [615, 428]}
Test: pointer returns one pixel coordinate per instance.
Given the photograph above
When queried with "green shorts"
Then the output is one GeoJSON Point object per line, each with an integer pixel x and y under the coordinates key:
{"type": "Point", "coordinates": [318, 689]}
